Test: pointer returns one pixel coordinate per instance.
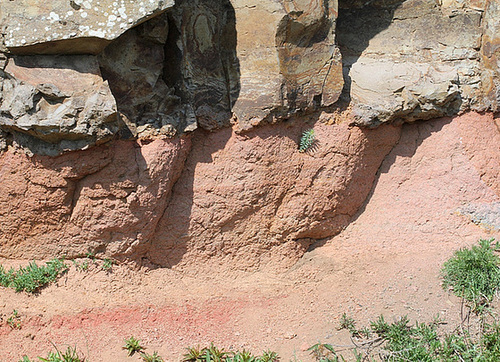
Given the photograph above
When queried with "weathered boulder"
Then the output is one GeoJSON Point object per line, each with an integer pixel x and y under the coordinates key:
{"type": "Point", "coordinates": [53, 104]}
{"type": "Point", "coordinates": [71, 26]}
{"type": "Point", "coordinates": [410, 60]}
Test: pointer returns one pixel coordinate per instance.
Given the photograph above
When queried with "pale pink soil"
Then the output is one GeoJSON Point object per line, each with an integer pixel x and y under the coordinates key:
{"type": "Point", "coordinates": [386, 262]}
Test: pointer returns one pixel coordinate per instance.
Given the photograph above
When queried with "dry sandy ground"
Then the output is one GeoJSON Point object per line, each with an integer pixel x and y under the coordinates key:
{"type": "Point", "coordinates": [386, 262]}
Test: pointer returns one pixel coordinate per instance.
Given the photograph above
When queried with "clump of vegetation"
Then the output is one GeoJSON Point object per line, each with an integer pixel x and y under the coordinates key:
{"type": "Point", "coordinates": [151, 357]}
{"type": "Point", "coordinates": [14, 321]}
{"type": "Point", "coordinates": [212, 353]}
{"type": "Point", "coordinates": [402, 341]}
{"type": "Point", "coordinates": [71, 355]}
{"type": "Point", "coordinates": [474, 274]}
{"type": "Point", "coordinates": [307, 140]}
{"type": "Point", "coordinates": [83, 266]}
{"type": "Point", "coordinates": [33, 277]}
{"type": "Point", "coordinates": [90, 259]}
{"type": "Point", "coordinates": [107, 265]}
{"type": "Point", "coordinates": [324, 352]}
{"type": "Point", "coordinates": [133, 345]}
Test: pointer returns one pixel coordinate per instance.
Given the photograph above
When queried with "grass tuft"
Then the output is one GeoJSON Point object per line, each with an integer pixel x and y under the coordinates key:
{"type": "Point", "coordinates": [71, 355]}
{"type": "Point", "coordinates": [33, 277]}
{"type": "Point", "coordinates": [214, 354]}
{"type": "Point", "coordinates": [474, 274]}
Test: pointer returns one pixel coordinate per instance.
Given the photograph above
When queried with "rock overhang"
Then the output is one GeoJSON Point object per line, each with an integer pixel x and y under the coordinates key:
{"type": "Point", "coordinates": [72, 26]}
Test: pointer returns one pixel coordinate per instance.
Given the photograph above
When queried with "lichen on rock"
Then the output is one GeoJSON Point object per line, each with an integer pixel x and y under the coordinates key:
{"type": "Point", "coordinates": [72, 26]}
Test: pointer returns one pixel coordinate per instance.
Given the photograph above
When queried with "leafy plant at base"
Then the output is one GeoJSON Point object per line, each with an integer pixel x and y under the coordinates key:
{"type": "Point", "coordinates": [214, 354]}
{"type": "Point", "coordinates": [151, 357]}
{"type": "Point", "coordinates": [349, 324]}
{"type": "Point", "coordinates": [33, 277]}
{"type": "Point", "coordinates": [107, 265]}
{"type": "Point", "coordinates": [269, 356]}
{"type": "Point", "coordinates": [14, 321]}
{"type": "Point", "coordinates": [474, 274]}
{"type": "Point", "coordinates": [408, 343]}
{"type": "Point", "coordinates": [193, 354]}
{"type": "Point", "coordinates": [133, 345]}
{"type": "Point", "coordinates": [324, 353]}
{"type": "Point", "coordinates": [307, 140]}
{"type": "Point", "coordinates": [70, 355]}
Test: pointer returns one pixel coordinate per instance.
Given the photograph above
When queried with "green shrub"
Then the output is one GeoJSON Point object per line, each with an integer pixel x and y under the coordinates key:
{"type": "Point", "coordinates": [474, 274]}
{"type": "Point", "coordinates": [33, 277]}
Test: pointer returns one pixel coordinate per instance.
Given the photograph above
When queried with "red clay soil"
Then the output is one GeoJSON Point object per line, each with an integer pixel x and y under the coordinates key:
{"type": "Point", "coordinates": [430, 198]}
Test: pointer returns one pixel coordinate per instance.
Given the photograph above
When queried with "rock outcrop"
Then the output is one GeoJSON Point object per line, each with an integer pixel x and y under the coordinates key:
{"type": "Point", "coordinates": [107, 198]}
{"type": "Point", "coordinates": [169, 129]}
{"type": "Point", "coordinates": [288, 58]}
{"type": "Point", "coordinates": [173, 66]}
{"type": "Point", "coordinates": [259, 187]}
{"type": "Point", "coordinates": [416, 59]}
{"type": "Point", "coordinates": [490, 51]}
{"type": "Point", "coordinates": [52, 104]}
{"type": "Point", "coordinates": [71, 26]}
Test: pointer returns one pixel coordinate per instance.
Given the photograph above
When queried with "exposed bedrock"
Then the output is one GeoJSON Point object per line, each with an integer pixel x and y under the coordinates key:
{"type": "Point", "coordinates": [52, 104]}
{"type": "Point", "coordinates": [105, 199]}
{"type": "Point", "coordinates": [167, 68]}
{"type": "Point", "coordinates": [168, 130]}
{"type": "Point", "coordinates": [245, 198]}
{"type": "Point", "coordinates": [238, 197]}
{"type": "Point", "coordinates": [71, 26]}
{"type": "Point", "coordinates": [490, 51]}
{"type": "Point", "coordinates": [419, 59]}
{"type": "Point", "coordinates": [161, 69]}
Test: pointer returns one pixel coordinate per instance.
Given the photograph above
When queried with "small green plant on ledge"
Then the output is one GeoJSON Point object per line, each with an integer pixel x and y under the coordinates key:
{"type": "Point", "coordinates": [307, 140]}
{"type": "Point", "coordinates": [33, 277]}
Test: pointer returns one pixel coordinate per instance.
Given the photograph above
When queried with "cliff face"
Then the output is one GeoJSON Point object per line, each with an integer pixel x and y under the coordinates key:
{"type": "Point", "coordinates": [168, 129]}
